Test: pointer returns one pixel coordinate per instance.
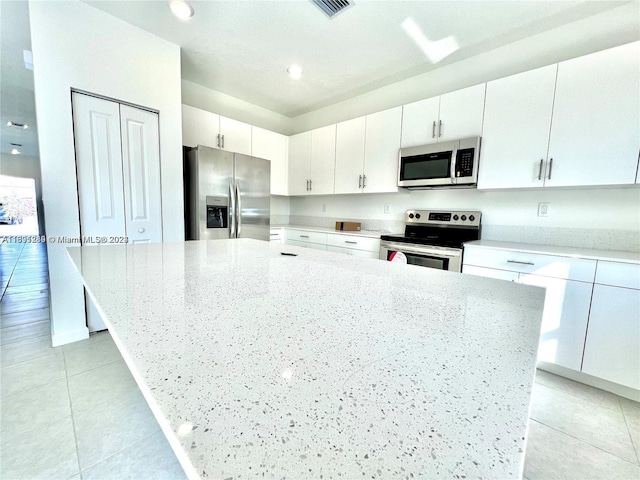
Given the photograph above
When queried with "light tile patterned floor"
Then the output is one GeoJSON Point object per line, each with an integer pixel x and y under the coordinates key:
{"type": "Point", "coordinates": [75, 412]}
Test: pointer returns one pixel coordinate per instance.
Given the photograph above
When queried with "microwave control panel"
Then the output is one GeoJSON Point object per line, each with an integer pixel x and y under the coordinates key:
{"type": "Point", "coordinates": [464, 162]}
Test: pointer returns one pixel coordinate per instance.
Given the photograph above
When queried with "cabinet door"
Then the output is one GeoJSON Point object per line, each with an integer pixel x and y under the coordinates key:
{"type": "Point", "coordinates": [564, 321]}
{"type": "Point", "coordinates": [299, 158]}
{"type": "Point", "coordinates": [199, 127]}
{"type": "Point", "coordinates": [381, 150]}
{"type": "Point", "coordinates": [273, 147]}
{"type": "Point", "coordinates": [595, 132]}
{"type": "Point", "coordinates": [323, 160]}
{"type": "Point", "coordinates": [350, 155]}
{"type": "Point", "coordinates": [420, 122]}
{"type": "Point", "coordinates": [235, 136]}
{"type": "Point", "coordinates": [461, 113]}
{"type": "Point", "coordinates": [515, 136]}
{"type": "Point", "coordinates": [141, 168]}
{"type": "Point", "coordinates": [612, 350]}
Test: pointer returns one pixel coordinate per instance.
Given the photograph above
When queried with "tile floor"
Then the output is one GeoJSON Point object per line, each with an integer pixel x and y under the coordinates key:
{"type": "Point", "coordinates": [75, 412]}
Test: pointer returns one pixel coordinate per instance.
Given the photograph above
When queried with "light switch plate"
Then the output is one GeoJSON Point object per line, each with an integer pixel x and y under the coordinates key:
{"type": "Point", "coordinates": [387, 208]}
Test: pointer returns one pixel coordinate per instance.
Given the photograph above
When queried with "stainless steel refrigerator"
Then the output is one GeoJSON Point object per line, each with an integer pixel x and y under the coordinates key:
{"type": "Point", "coordinates": [228, 195]}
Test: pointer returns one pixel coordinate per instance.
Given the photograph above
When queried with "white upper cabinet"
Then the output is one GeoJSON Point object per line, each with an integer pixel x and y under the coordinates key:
{"type": "Point", "coordinates": [596, 120]}
{"type": "Point", "coordinates": [273, 147]}
{"type": "Point", "coordinates": [448, 117]}
{"type": "Point", "coordinates": [199, 127]}
{"type": "Point", "coordinates": [323, 160]}
{"type": "Point", "coordinates": [382, 144]}
{"type": "Point", "coordinates": [235, 136]}
{"type": "Point", "coordinates": [420, 122]}
{"type": "Point", "coordinates": [350, 140]}
{"type": "Point", "coordinates": [461, 113]}
{"type": "Point", "coordinates": [512, 155]}
{"type": "Point", "coordinates": [299, 161]}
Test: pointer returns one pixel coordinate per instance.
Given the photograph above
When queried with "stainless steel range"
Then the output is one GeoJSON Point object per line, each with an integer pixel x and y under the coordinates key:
{"type": "Point", "coordinates": [432, 238]}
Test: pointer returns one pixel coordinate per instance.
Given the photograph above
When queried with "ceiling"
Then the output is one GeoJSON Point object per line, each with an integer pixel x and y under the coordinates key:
{"type": "Point", "coordinates": [242, 47]}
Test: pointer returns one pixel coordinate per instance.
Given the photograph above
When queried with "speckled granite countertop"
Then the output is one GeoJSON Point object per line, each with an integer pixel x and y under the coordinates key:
{"type": "Point", "coordinates": [259, 365]}
{"type": "Point", "coordinates": [361, 233]}
{"type": "Point", "coordinates": [609, 255]}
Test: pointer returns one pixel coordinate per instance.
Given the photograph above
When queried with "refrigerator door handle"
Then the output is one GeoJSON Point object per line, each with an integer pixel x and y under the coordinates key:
{"type": "Point", "coordinates": [239, 211]}
{"type": "Point", "coordinates": [232, 212]}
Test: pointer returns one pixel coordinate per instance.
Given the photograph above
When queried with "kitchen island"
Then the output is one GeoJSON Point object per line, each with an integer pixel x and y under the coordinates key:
{"type": "Point", "coordinates": [320, 365]}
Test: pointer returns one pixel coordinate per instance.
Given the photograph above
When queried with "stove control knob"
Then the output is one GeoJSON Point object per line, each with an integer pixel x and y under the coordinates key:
{"type": "Point", "coordinates": [417, 215]}
{"type": "Point", "coordinates": [455, 217]}
{"type": "Point", "coordinates": [411, 215]}
{"type": "Point", "coordinates": [471, 218]}
{"type": "Point", "coordinates": [463, 217]}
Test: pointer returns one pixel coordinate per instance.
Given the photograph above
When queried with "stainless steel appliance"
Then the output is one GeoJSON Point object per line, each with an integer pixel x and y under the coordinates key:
{"type": "Point", "coordinates": [228, 195]}
{"type": "Point", "coordinates": [432, 238]}
{"type": "Point", "coordinates": [446, 164]}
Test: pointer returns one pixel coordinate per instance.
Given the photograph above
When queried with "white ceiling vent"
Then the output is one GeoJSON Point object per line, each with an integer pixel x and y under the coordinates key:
{"type": "Point", "coordinates": [332, 7]}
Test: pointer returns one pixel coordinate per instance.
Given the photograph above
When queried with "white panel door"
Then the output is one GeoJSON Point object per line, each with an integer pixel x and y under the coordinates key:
{"type": "Point", "coordinates": [612, 350]}
{"type": "Point", "coordinates": [564, 321]}
{"type": "Point", "coordinates": [515, 136]}
{"type": "Point", "coordinates": [199, 127]}
{"type": "Point", "coordinates": [381, 150]}
{"type": "Point", "coordinates": [96, 124]}
{"type": "Point", "coordinates": [299, 159]}
{"type": "Point", "coordinates": [235, 136]}
{"type": "Point", "coordinates": [141, 167]}
{"type": "Point", "coordinates": [420, 122]}
{"type": "Point", "coordinates": [323, 160]}
{"type": "Point", "coordinates": [272, 146]}
{"type": "Point", "coordinates": [350, 155]}
{"type": "Point", "coordinates": [595, 134]}
{"type": "Point", "coordinates": [461, 113]}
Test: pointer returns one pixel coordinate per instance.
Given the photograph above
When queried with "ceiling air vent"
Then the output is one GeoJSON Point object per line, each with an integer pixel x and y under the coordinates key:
{"type": "Point", "coordinates": [332, 7]}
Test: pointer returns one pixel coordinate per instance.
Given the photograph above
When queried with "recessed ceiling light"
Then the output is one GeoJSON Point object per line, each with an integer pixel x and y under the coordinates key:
{"type": "Point", "coordinates": [295, 71]}
{"type": "Point", "coordinates": [181, 9]}
{"type": "Point", "coordinates": [18, 125]}
{"type": "Point", "coordinates": [15, 151]}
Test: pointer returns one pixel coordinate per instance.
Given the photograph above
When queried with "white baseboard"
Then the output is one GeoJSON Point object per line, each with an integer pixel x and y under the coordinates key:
{"type": "Point", "coordinates": [78, 334]}
{"type": "Point", "coordinates": [621, 390]}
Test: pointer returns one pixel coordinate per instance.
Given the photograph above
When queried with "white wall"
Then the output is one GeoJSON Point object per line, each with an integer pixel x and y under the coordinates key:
{"type": "Point", "coordinates": [216, 102]}
{"type": "Point", "coordinates": [77, 46]}
{"type": "Point", "coordinates": [25, 167]}
{"type": "Point", "coordinates": [598, 32]}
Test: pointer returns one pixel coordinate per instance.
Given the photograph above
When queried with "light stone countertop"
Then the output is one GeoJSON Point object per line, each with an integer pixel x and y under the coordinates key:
{"type": "Point", "coordinates": [259, 365]}
{"type": "Point", "coordinates": [576, 252]}
{"type": "Point", "coordinates": [360, 233]}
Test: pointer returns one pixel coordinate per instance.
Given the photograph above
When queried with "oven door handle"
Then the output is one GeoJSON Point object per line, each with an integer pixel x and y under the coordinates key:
{"type": "Point", "coordinates": [403, 247]}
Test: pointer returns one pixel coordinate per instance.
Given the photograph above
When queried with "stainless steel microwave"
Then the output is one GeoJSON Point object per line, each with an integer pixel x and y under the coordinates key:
{"type": "Point", "coordinates": [445, 164]}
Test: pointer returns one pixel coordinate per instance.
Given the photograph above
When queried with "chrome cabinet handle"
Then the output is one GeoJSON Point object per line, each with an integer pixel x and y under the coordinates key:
{"type": "Point", "coordinates": [348, 241]}
{"type": "Point", "coordinates": [304, 236]}
{"type": "Point", "coordinates": [550, 167]}
{"type": "Point", "coordinates": [520, 263]}
{"type": "Point", "coordinates": [433, 130]}
{"type": "Point", "coordinates": [310, 185]}
{"type": "Point", "coordinates": [274, 234]}
{"type": "Point", "coordinates": [364, 181]}
{"type": "Point", "coordinates": [359, 181]}
{"type": "Point", "coordinates": [540, 170]}
{"type": "Point", "coordinates": [232, 212]}
{"type": "Point", "coordinates": [439, 128]}
{"type": "Point", "coordinates": [239, 213]}
{"type": "Point", "coordinates": [218, 141]}
{"type": "Point", "coordinates": [222, 141]}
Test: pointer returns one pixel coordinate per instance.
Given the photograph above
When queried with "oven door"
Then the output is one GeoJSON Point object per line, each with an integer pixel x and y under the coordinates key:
{"type": "Point", "coordinates": [440, 258]}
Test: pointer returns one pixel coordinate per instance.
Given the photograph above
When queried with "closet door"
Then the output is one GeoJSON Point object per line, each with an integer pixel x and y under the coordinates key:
{"type": "Point", "coordinates": [141, 167]}
{"type": "Point", "coordinates": [96, 125]}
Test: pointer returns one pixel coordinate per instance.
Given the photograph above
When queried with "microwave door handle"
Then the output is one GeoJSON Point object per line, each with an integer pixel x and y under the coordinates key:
{"type": "Point", "coordinates": [452, 173]}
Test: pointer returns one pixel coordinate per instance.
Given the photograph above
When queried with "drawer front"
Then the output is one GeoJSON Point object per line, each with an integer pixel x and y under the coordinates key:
{"type": "Point", "coordinates": [490, 273]}
{"type": "Point", "coordinates": [352, 241]}
{"type": "Point", "coordinates": [305, 236]}
{"type": "Point", "coordinates": [618, 274]}
{"type": "Point", "coordinates": [352, 252]}
{"type": "Point", "coordinates": [276, 235]}
{"type": "Point", "coordinates": [546, 265]}
{"type": "Point", "coordinates": [315, 246]}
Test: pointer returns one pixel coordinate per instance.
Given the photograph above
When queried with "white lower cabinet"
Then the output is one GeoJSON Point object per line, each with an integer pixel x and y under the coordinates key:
{"type": "Point", "coordinates": [353, 252]}
{"type": "Point", "coordinates": [612, 349]}
{"type": "Point", "coordinates": [348, 244]}
{"type": "Point", "coordinates": [315, 246]}
{"type": "Point", "coordinates": [276, 235]}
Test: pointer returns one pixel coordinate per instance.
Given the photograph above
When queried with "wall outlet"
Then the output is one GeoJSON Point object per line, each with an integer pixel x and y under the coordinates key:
{"type": "Point", "coordinates": [387, 208]}
{"type": "Point", "coordinates": [324, 208]}
{"type": "Point", "coordinates": [543, 209]}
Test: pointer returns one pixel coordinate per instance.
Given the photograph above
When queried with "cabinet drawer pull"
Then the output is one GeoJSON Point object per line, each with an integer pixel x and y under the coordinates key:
{"type": "Point", "coordinates": [348, 241]}
{"type": "Point", "coordinates": [540, 170]}
{"type": "Point", "coordinates": [550, 167]}
{"type": "Point", "coordinates": [304, 236]}
{"type": "Point", "coordinates": [521, 263]}
{"type": "Point", "coordinates": [274, 234]}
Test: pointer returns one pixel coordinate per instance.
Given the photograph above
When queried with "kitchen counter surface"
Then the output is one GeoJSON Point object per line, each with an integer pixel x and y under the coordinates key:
{"type": "Point", "coordinates": [608, 255]}
{"type": "Point", "coordinates": [259, 365]}
{"type": "Point", "coordinates": [360, 233]}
